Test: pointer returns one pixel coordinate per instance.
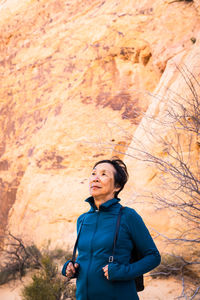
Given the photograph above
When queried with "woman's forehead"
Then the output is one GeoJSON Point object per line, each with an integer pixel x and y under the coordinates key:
{"type": "Point", "coordinates": [104, 167]}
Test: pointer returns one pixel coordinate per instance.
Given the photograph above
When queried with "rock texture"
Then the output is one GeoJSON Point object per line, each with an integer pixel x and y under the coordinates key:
{"type": "Point", "coordinates": [161, 134]}
{"type": "Point", "coordinates": [75, 79]}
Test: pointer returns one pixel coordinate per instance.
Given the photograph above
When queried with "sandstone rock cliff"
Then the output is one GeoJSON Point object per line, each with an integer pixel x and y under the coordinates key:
{"type": "Point", "coordinates": [74, 87]}
{"type": "Point", "coordinates": [167, 138]}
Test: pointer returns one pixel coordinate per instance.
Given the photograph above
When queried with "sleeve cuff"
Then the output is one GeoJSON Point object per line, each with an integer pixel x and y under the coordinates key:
{"type": "Point", "coordinates": [117, 271]}
{"type": "Point", "coordinates": [65, 267]}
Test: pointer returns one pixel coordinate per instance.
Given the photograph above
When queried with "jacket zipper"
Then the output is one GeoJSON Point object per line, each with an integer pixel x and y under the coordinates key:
{"type": "Point", "coordinates": [91, 248]}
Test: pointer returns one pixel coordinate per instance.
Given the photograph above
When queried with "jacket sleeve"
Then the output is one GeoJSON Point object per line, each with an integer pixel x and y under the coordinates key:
{"type": "Point", "coordinates": [145, 245]}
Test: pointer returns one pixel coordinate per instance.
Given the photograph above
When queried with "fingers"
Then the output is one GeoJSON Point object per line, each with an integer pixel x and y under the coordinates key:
{"type": "Point", "coordinates": [76, 265]}
{"type": "Point", "coordinates": [70, 271]}
{"type": "Point", "coordinates": [105, 269]}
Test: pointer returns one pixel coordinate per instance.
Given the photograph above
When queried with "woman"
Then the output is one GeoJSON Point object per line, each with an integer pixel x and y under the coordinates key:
{"type": "Point", "coordinates": [99, 279]}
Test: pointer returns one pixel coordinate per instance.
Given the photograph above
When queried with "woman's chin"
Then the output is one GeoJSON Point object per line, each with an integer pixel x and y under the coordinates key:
{"type": "Point", "coordinates": [95, 194]}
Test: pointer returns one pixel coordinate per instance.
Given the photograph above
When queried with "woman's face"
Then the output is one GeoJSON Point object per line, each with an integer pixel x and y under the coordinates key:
{"type": "Point", "coordinates": [101, 182]}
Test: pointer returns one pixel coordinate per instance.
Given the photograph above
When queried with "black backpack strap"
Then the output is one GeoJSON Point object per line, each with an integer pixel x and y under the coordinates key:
{"type": "Point", "coordinates": [111, 258]}
{"type": "Point", "coordinates": [76, 243]}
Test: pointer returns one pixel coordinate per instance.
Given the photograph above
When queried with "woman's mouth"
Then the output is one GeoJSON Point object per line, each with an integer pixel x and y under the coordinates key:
{"type": "Point", "coordinates": [95, 187]}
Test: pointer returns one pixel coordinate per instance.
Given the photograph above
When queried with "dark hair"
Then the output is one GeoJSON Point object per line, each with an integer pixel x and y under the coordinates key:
{"type": "Point", "coordinates": [121, 174]}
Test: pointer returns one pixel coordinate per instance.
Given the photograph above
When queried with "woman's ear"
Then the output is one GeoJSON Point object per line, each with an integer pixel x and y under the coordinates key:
{"type": "Point", "coordinates": [117, 188]}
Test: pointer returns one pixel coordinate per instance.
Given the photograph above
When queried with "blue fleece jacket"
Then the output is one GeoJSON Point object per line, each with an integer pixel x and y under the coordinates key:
{"type": "Point", "coordinates": [95, 246]}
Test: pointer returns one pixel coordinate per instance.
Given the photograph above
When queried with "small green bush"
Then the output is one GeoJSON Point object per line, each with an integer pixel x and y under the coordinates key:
{"type": "Point", "coordinates": [41, 289]}
{"type": "Point", "coordinates": [47, 284]}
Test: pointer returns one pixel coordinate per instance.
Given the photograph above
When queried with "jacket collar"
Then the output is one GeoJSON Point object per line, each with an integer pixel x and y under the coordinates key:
{"type": "Point", "coordinates": [104, 206]}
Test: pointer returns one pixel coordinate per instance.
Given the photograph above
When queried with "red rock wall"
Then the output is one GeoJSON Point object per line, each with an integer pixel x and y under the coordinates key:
{"type": "Point", "coordinates": [75, 76]}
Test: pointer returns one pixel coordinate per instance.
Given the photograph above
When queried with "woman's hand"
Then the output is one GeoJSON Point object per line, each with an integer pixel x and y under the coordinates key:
{"type": "Point", "coordinates": [71, 269]}
{"type": "Point", "coordinates": [105, 269]}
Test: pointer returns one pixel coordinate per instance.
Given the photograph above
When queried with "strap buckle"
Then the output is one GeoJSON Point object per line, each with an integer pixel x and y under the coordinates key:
{"type": "Point", "coordinates": [111, 258]}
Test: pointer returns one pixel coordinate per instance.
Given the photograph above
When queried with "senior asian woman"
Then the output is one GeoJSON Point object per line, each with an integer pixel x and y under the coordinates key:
{"type": "Point", "coordinates": [99, 279]}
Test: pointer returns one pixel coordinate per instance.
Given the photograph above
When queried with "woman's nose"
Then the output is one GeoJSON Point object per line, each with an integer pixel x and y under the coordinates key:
{"type": "Point", "coordinates": [96, 178]}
